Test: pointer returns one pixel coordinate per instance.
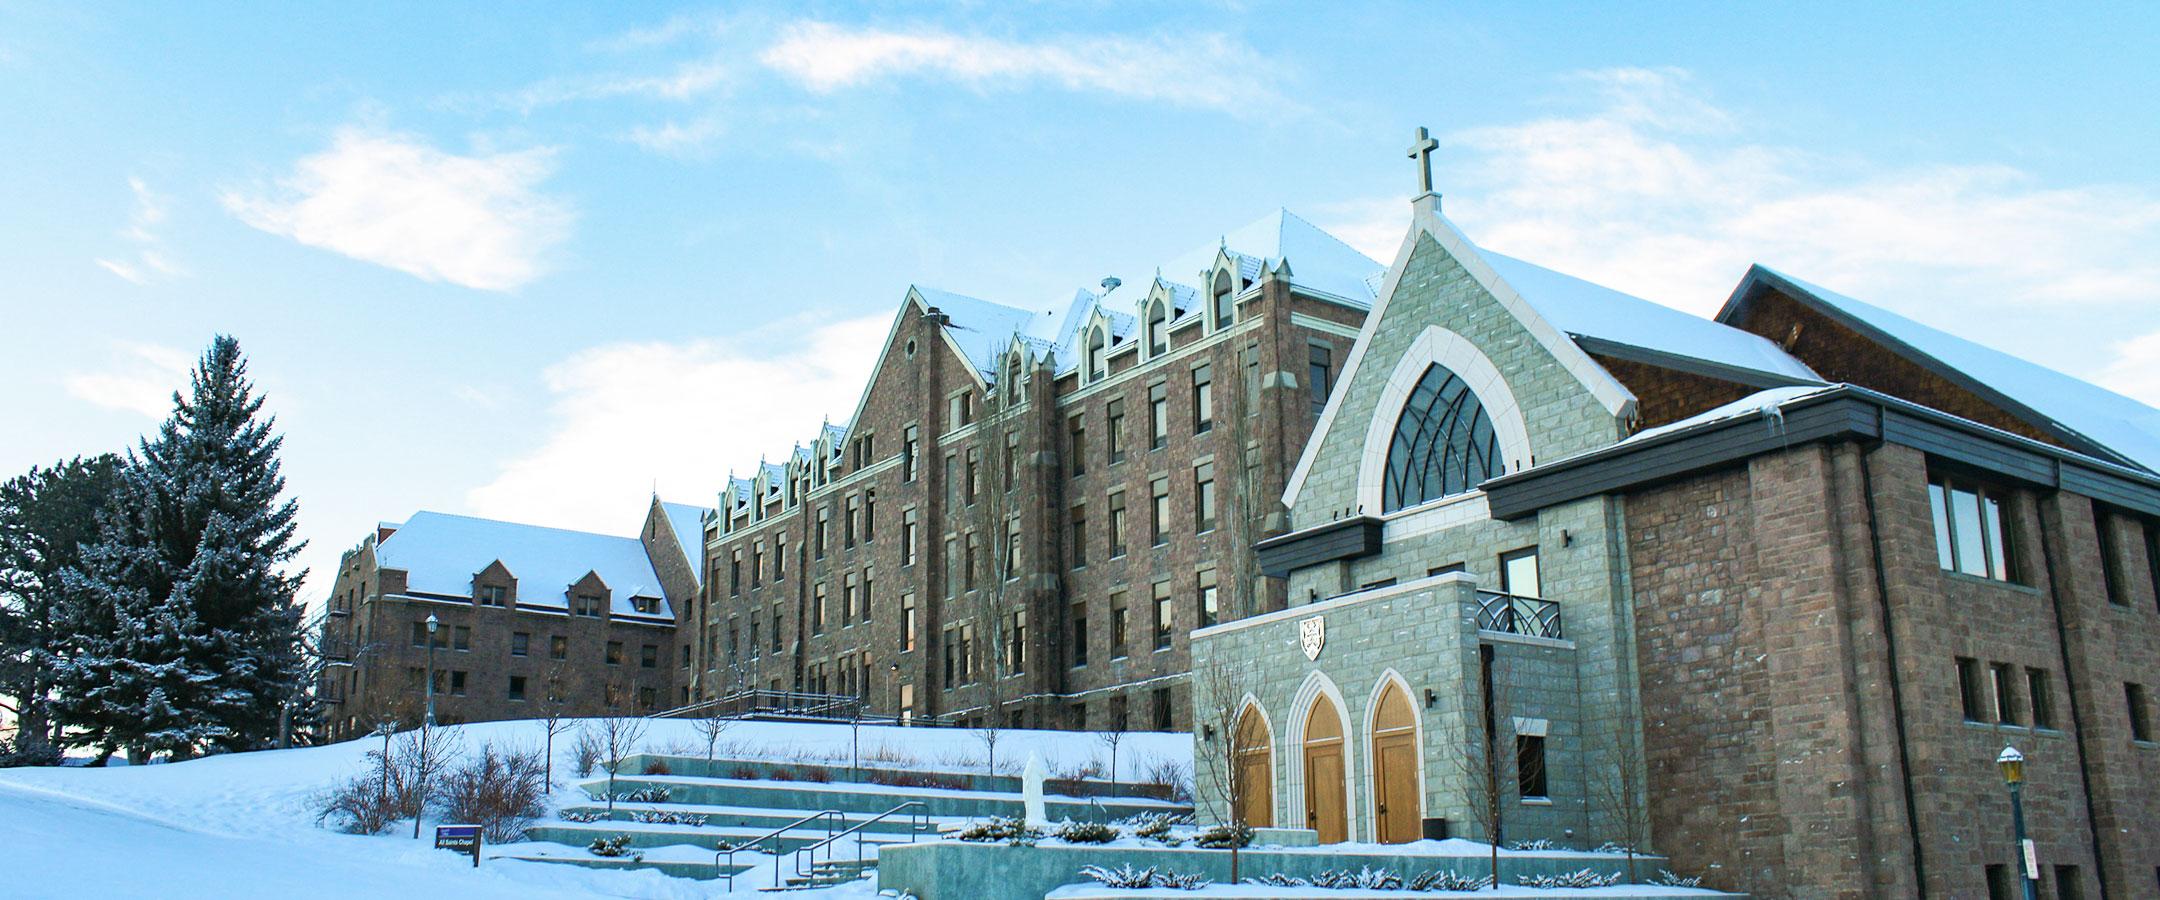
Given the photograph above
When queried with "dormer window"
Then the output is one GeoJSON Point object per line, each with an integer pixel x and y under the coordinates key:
{"type": "Point", "coordinates": [1097, 364]}
{"type": "Point", "coordinates": [491, 595]}
{"type": "Point", "coordinates": [587, 605]}
{"type": "Point", "coordinates": [646, 605]}
{"type": "Point", "coordinates": [1158, 328]}
{"type": "Point", "coordinates": [1222, 307]}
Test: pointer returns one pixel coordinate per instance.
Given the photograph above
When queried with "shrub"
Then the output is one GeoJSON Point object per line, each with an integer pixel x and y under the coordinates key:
{"type": "Point", "coordinates": [658, 766]}
{"type": "Point", "coordinates": [1666, 878]}
{"type": "Point", "coordinates": [28, 753]}
{"type": "Point", "coordinates": [644, 795]}
{"type": "Point", "coordinates": [1367, 878]}
{"type": "Point", "coordinates": [1224, 837]}
{"type": "Point", "coordinates": [814, 774]}
{"type": "Point", "coordinates": [1447, 880]}
{"type": "Point", "coordinates": [1128, 877]}
{"type": "Point", "coordinates": [1085, 833]}
{"type": "Point", "coordinates": [1539, 844]}
{"type": "Point", "coordinates": [1580, 878]}
{"type": "Point", "coordinates": [1168, 778]}
{"type": "Point", "coordinates": [583, 815]}
{"type": "Point", "coordinates": [916, 779]}
{"type": "Point", "coordinates": [1152, 827]}
{"type": "Point", "coordinates": [361, 805]}
{"type": "Point", "coordinates": [585, 752]}
{"type": "Point", "coordinates": [1614, 848]}
{"type": "Point", "coordinates": [500, 791]}
{"type": "Point", "coordinates": [746, 773]}
{"type": "Point", "coordinates": [1000, 828]}
{"type": "Point", "coordinates": [612, 847]}
{"type": "Point", "coordinates": [665, 817]}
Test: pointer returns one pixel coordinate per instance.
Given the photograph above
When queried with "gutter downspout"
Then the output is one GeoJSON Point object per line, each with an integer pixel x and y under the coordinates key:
{"type": "Point", "coordinates": [1890, 646]}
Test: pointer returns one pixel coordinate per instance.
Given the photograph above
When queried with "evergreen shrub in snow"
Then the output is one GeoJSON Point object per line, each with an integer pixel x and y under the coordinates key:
{"type": "Point", "coordinates": [28, 753]}
{"type": "Point", "coordinates": [1366, 878]}
{"type": "Point", "coordinates": [1539, 844]}
{"type": "Point", "coordinates": [1013, 831]}
{"type": "Point", "coordinates": [644, 795]}
{"type": "Point", "coordinates": [665, 817]}
{"type": "Point", "coordinates": [1666, 878]}
{"type": "Point", "coordinates": [1580, 878]}
{"type": "Point", "coordinates": [1614, 848]}
{"type": "Point", "coordinates": [1085, 833]}
{"type": "Point", "coordinates": [612, 847]}
{"type": "Point", "coordinates": [1447, 880]}
{"type": "Point", "coordinates": [1128, 877]}
{"type": "Point", "coordinates": [1224, 837]}
{"type": "Point", "coordinates": [1154, 827]}
{"type": "Point", "coordinates": [583, 815]}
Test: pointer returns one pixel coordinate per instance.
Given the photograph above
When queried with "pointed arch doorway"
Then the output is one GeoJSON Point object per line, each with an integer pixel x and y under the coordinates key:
{"type": "Point", "coordinates": [1255, 770]}
{"type": "Point", "coordinates": [1397, 806]}
{"type": "Point", "coordinates": [1325, 794]}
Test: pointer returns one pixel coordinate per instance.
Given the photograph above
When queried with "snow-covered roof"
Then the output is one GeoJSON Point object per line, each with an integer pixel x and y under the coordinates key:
{"type": "Point", "coordinates": [984, 329]}
{"type": "Point", "coordinates": [689, 524]}
{"type": "Point", "coordinates": [2050, 400]}
{"type": "Point", "coordinates": [1320, 263]}
{"type": "Point", "coordinates": [440, 553]}
{"type": "Point", "coordinates": [1585, 310]}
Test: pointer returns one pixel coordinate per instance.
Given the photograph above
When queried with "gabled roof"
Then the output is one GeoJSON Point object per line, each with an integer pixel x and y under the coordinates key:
{"type": "Point", "coordinates": [1320, 263]}
{"type": "Point", "coordinates": [1603, 320]}
{"type": "Point", "coordinates": [689, 524]}
{"type": "Point", "coordinates": [440, 553]}
{"type": "Point", "coordinates": [982, 329]}
{"type": "Point", "coordinates": [2084, 416]}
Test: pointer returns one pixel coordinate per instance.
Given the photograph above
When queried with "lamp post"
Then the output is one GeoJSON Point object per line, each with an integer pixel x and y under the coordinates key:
{"type": "Point", "coordinates": [2012, 764]}
{"type": "Point", "coordinates": [433, 625]}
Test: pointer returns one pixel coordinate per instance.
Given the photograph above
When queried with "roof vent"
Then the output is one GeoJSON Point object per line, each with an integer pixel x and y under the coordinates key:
{"type": "Point", "coordinates": [1110, 284]}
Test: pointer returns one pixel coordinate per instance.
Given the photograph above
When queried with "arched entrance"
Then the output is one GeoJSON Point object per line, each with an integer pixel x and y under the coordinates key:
{"type": "Point", "coordinates": [1255, 770]}
{"type": "Point", "coordinates": [1325, 797]}
{"type": "Point", "coordinates": [1397, 806]}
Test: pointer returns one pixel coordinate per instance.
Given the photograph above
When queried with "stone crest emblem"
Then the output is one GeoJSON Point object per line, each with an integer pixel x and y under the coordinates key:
{"type": "Point", "coordinates": [1312, 635]}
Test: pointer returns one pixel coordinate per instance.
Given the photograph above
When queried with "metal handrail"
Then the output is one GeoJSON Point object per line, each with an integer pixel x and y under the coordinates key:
{"type": "Point", "coordinates": [1511, 614]}
{"type": "Point", "coordinates": [829, 815]}
{"type": "Point", "coordinates": [918, 822]}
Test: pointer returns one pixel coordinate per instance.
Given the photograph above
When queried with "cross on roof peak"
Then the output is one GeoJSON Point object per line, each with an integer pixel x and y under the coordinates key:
{"type": "Point", "coordinates": [1421, 149]}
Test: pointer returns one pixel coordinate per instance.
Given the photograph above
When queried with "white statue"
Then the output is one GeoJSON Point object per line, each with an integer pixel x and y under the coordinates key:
{"type": "Point", "coordinates": [1031, 791]}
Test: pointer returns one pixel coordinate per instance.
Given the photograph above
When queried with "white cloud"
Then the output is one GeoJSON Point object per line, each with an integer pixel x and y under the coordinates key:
{"type": "Point", "coordinates": [142, 380]}
{"type": "Point", "coordinates": [687, 80]}
{"type": "Point", "coordinates": [149, 260]}
{"type": "Point", "coordinates": [1206, 70]}
{"type": "Point", "coordinates": [478, 221]}
{"type": "Point", "coordinates": [679, 138]}
{"type": "Point", "coordinates": [2135, 371]}
{"type": "Point", "coordinates": [629, 417]}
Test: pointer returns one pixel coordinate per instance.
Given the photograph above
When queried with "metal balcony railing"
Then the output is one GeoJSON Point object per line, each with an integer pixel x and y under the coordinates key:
{"type": "Point", "coordinates": [1509, 614]}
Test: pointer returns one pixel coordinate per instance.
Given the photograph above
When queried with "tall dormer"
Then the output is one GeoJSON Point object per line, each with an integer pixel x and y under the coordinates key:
{"type": "Point", "coordinates": [1095, 359]}
{"type": "Point", "coordinates": [1222, 296]}
{"type": "Point", "coordinates": [1156, 313]}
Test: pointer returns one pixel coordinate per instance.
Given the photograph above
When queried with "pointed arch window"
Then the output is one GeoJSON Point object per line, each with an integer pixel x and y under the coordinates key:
{"type": "Point", "coordinates": [1222, 307]}
{"type": "Point", "coordinates": [1095, 362]}
{"type": "Point", "coordinates": [1158, 328]}
{"type": "Point", "coordinates": [1444, 443]}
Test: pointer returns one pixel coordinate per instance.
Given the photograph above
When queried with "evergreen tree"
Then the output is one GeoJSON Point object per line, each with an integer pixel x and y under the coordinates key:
{"type": "Point", "coordinates": [185, 635]}
{"type": "Point", "coordinates": [46, 515]}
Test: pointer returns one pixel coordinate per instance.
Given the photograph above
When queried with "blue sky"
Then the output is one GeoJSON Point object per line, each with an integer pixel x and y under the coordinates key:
{"type": "Point", "coordinates": [532, 261]}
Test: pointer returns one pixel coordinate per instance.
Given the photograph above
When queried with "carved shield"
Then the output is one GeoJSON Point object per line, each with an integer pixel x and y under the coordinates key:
{"type": "Point", "coordinates": [1312, 635]}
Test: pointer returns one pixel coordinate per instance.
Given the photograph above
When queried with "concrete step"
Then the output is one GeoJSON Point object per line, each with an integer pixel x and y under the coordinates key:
{"type": "Point", "coordinates": [877, 772]}
{"type": "Point", "coordinates": [675, 867]}
{"type": "Point", "coordinates": [767, 819]}
{"type": "Point", "coordinates": [873, 798]}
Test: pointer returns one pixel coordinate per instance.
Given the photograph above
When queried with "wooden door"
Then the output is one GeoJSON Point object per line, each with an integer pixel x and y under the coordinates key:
{"type": "Point", "coordinates": [1397, 805]}
{"type": "Point", "coordinates": [1325, 791]}
{"type": "Point", "coordinates": [1255, 770]}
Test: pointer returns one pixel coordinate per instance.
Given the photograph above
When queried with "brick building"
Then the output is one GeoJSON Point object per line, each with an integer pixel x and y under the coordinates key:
{"type": "Point", "coordinates": [1029, 511]}
{"type": "Point", "coordinates": [527, 616]}
{"type": "Point", "coordinates": [1767, 594]}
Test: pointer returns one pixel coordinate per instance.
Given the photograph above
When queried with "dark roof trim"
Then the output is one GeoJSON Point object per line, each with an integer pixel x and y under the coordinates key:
{"type": "Point", "coordinates": [1760, 279]}
{"type": "Point", "coordinates": [1689, 364]}
{"type": "Point", "coordinates": [1341, 539]}
{"type": "Point", "coordinates": [1844, 412]}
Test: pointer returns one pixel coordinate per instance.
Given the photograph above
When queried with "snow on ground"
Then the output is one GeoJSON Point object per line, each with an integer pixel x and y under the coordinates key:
{"type": "Point", "coordinates": [1098, 892]}
{"type": "Point", "coordinates": [243, 824]}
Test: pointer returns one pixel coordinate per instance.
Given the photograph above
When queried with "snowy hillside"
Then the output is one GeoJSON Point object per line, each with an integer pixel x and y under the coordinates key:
{"type": "Point", "coordinates": [243, 825]}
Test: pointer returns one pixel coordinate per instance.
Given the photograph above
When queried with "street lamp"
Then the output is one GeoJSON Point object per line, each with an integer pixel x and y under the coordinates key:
{"type": "Point", "coordinates": [2012, 764]}
{"type": "Point", "coordinates": [433, 625]}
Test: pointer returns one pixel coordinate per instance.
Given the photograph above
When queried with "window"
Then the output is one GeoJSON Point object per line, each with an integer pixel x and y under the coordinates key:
{"type": "Point", "coordinates": [1158, 332]}
{"type": "Point", "coordinates": [2118, 593]}
{"type": "Point", "coordinates": [1097, 366]}
{"type": "Point", "coordinates": [817, 608]}
{"type": "Point", "coordinates": [952, 480]}
{"type": "Point", "coordinates": [1117, 525]}
{"type": "Point", "coordinates": [588, 605]}
{"type": "Point", "coordinates": [1444, 443]}
{"type": "Point", "coordinates": [908, 624]}
{"type": "Point", "coordinates": [1530, 765]}
{"type": "Point", "coordinates": [757, 564]}
{"type": "Point", "coordinates": [1076, 444]}
{"type": "Point", "coordinates": [1011, 559]}
{"type": "Point", "coordinates": [2042, 692]}
{"type": "Point", "coordinates": [1519, 573]}
{"type": "Point", "coordinates": [1161, 705]}
{"type": "Point", "coordinates": [457, 684]}
{"type": "Point", "coordinates": [520, 643]}
{"type": "Point", "coordinates": [735, 574]}
{"type": "Point", "coordinates": [868, 580]}
{"type": "Point", "coordinates": [1076, 627]}
{"type": "Point", "coordinates": [2152, 557]}
{"type": "Point", "coordinates": [1969, 533]}
{"type": "Point", "coordinates": [1222, 307]}
{"type": "Point", "coordinates": [1210, 605]}
{"type": "Point", "coordinates": [1204, 497]}
{"type": "Point", "coordinates": [967, 651]}
{"type": "Point", "coordinates": [908, 535]}
{"type": "Point", "coordinates": [910, 450]}
{"type": "Point", "coordinates": [2068, 886]}
{"type": "Point", "coordinates": [558, 647]}
{"type": "Point", "coordinates": [755, 646]}
{"type": "Point", "coordinates": [959, 410]}
{"type": "Point", "coordinates": [648, 697]}
{"type": "Point", "coordinates": [614, 653]}
{"type": "Point", "coordinates": [1319, 362]}
{"type": "Point", "coordinates": [492, 595]}
{"type": "Point", "coordinates": [1162, 615]}
{"type": "Point", "coordinates": [1119, 622]}
{"type": "Point", "coordinates": [974, 474]}
{"type": "Point", "coordinates": [1998, 883]}
{"type": "Point", "coordinates": [971, 563]}
{"type": "Point", "coordinates": [776, 624]}
{"type": "Point", "coordinates": [419, 634]}
{"type": "Point", "coordinates": [1116, 433]}
{"type": "Point", "coordinates": [1011, 462]}
{"type": "Point", "coordinates": [649, 657]}
{"type": "Point", "coordinates": [1158, 402]}
{"type": "Point", "coordinates": [952, 658]}
{"type": "Point", "coordinates": [2004, 679]}
{"type": "Point", "coordinates": [849, 520]}
{"type": "Point", "coordinates": [951, 566]}
{"type": "Point", "coordinates": [2140, 714]}
{"type": "Point", "coordinates": [869, 516]}
{"type": "Point", "coordinates": [820, 534]}
{"type": "Point", "coordinates": [1016, 642]}
{"type": "Point", "coordinates": [1079, 535]}
{"type": "Point", "coordinates": [1969, 690]}
{"type": "Point", "coordinates": [1203, 398]}
{"type": "Point", "coordinates": [848, 600]}
{"type": "Point", "coordinates": [1120, 718]}
{"type": "Point", "coordinates": [1159, 523]}
{"type": "Point", "coordinates": [517, 688]}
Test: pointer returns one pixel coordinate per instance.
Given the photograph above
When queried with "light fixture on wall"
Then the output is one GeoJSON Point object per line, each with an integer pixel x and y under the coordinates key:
{"type": "Point", "coordinates": [1566, 539]}
{"type": "Point", "coordinates": [1432, 697]}
{"type": "Point", "coordinates": [1207, 733]}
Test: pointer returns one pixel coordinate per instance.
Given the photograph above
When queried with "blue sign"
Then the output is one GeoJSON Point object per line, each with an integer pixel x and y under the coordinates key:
{"type": "Point", "coordinates": [462, 838]}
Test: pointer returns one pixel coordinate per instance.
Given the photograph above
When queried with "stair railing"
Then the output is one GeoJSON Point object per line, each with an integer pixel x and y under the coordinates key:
{"type": "Point", "coordinates": [806, 857]}
{"type": "Point", "coordinates": [724, 860]}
